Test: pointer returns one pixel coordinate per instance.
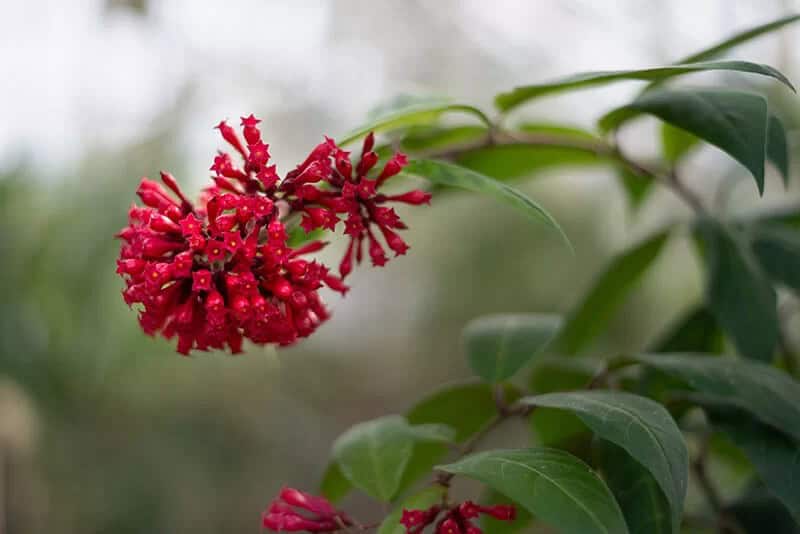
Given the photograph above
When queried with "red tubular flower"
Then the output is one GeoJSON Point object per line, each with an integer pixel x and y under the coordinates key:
{"type": "Point", "coordinates": [456, 519]}
{"type": "Point", "coordinates": [213, 273]}
{"type": "Point", "coordinates": [295, 511]}
{"type": "Point", "coordinates": [353, 195]}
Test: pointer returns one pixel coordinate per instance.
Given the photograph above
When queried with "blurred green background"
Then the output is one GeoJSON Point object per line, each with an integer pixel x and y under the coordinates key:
{"type": "Point", "coordinates": [103, 429]}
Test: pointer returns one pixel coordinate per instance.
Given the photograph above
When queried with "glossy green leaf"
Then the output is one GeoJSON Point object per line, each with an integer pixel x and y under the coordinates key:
{"type": "Point", "coordinates": [778, 148]}
{"type": "Point", "coordinates": [446, 406]}
{"type": "Point", "coordinates": [734, 121]}
{"type": "Point", "coordinates": [414, 114]}
{"type": "Point", "coordinates": [775, 456]}
{"type": "Point", "coordinates": [553, 485]}
{"type": "Point", "coordinates": [738, 294]}
{"type": "Point", "coordinates": [498, 346]}
{"type": "Point", "coordinates": [334, 485]}
{"type": "Point", "coordinates": [442, 173]}
{"type": "Point", "coordinates": [676, 143]}
{"type": "Point", "coordinates": [778, 253]}
{"type": "Point", "coordinates": [739, 38]}
{"type": "Point", "coordinates": [421, 500]}
{"type": "Point", "coordinates": [373, 455]}
{"type": "Point", "coordinates": [637, 424]}
{"type": "Point", "coordinates": [521, 95]}
{"type": "Point", "coordinates": [642, 501]}
{"type": "Point", "coordinates": [767, 393]}
{"type": "Point", "coordinates": [608, 292]}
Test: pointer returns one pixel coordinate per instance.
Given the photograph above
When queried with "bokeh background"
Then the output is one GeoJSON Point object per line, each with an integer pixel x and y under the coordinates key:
{"type": "Point", "coordinates": [103, 429]}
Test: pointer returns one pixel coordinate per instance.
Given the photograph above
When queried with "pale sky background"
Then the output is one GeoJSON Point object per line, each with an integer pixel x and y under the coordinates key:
{"type": "Point", "coordinates": [80, 75]}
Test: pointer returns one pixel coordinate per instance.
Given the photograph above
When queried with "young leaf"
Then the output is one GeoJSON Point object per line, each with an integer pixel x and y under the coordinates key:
{"type": "Point", "coordinates": [520, 95]}
{"type": "Point", "coordinates": [738, 294]}
{"type": "Point", "coordinates": [498, 346]}
{"type": "Point", "coordinates": [767, 393]}
{"type": "Point", "coordinates": [421, 500]}
{"type": "Point", "coordinates": [775, 456]}
{"type": "Point", "coordinates": [590, 317]}
{"type": "Point", "coordinates": [553, 485]}
{"type": "Point", "coordinates": [739, 38]}
{"type": "Point", "coordinates": [778, 252]}
{"type": "Point", "coordinates": [411, 115]}
{"type": "Point", "coordinates": [442, 173]}
{"type": "Point", "coordinates": [734, 121]}
{"type": "Point", "coordinates": [640, 426]}
{"type": "Point", "coordinates": [642, 501]}
{"type": "Point", "coordinates": [334, 485]}
{"type": "Point", "coordinates": [446, 407]}
{"type": "Point", "coordinates": [373, 455]}
{"type": "Point", "coordinates": [778, 148]}
{"type": "Point", "coordinates": [676, 143]}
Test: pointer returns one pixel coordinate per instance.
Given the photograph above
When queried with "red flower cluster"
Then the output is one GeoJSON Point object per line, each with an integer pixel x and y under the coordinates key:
{"type": "Point", "coordinates": [456, 520]}
{"type": "Point", "coordinates": [295, 511]}
{"type": "Point", "coordinates": [220, 271]}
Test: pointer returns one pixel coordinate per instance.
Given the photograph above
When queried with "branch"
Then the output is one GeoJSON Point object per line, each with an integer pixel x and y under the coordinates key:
{"type": "Point", "coordinates": [598, 147]}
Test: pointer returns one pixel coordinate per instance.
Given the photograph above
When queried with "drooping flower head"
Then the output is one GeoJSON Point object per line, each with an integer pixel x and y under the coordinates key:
{"type": "Point", "coordinates": [221, 270]}
{"type": "Point", "coordinates": [295, 511]}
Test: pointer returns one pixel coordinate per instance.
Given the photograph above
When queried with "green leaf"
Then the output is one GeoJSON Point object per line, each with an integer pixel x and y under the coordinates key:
{"type": "Point", "coordinates": [562, 374]}
{"type": "Point", "coordinates": [555, 428]}
{"type": "Point", "coordinates": [775, 456]}
{"type": "Point", "coordinates": [738, 293]}
{"type": "Point", "coordinates": [442, 173]}
{"type": "Point", "coordinates": [697, 331]}
{"type": "Point", "coordinates": [637, 424]}
{"type": "Point", "coordinates": [411, 115]}
{"type": "Point", "coordinates": [676, 143]}
{"type": "Point", "coordinates": [334, 485]}
{"type": "Point", "coordinates": [373, 455]}
{"type": "Point", "coordinates": [432, 432]}
{"type": "Point", "coordinates": [551, 484]}
{"type": "Point", "coordinates": [498, 346]}
{"type": "Point", "coordinates": [739, 38]}
{"type": "Point", "coordinates": [778, 147]}
{"type": "Point", "coordinates": [520, 95]}
{"type": "Point", "coordinates": [766, 393]}
{"type": "Point", "coordinates": [421, 500]}
{"type": "Point", "coordinates": [758, 511]}
{"type": "Point", "coordinates": [778, 253]}
{"type": "Point", "coordinates": [447, 407]}
{"type": "Point", "coordinates": [734, 121]}
{"type": "Point", "coordinates": [512, 162]}
{"type": "Point", "coordinates": [423, 138]}
{"type": "Point", "coordinates": [608, 292]}
{"type": "Point", "coordinates": [643, 504]}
